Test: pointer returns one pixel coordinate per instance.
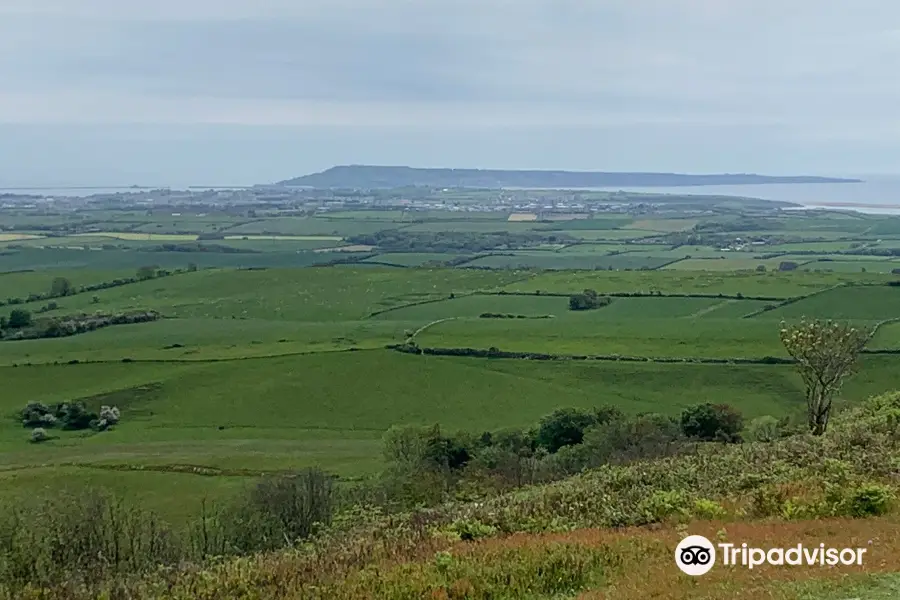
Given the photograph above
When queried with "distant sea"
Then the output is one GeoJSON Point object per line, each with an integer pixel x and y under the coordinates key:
{"type": "Point", "coordinates": [876, 194]}
{"type": "Point", "coordinates": [81, 192]}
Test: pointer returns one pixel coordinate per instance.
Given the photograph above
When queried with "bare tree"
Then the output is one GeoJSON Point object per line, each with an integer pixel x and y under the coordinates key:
{"type": "Point", "coordinates": [826, 353]}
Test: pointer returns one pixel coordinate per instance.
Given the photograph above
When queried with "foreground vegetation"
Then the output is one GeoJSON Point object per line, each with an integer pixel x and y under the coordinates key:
{"type": "Point", "coordinates": [364, 541]}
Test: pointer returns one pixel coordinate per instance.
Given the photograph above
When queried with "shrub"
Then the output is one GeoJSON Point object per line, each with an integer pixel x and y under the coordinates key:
{"type": "Point", "coordinates": [280, 510]}
{"type": "Point", "coordinates": [61, 287]}
{"type": "Point", "coordinates": [764, 429]}
{"type": "Point", "coordinates": [563, 427]}
{"type": "Point", "coordinates": [75, 416]}
{"type": "Point", "coordinates": [712, 422]}
{"type": "Point", "coordinates": [587, 300]}
{"type": "Point", "coordinates": [868, 500]}
{"type": "Point", "coordinates": [18, 319]}
{"type": "Point", "coordinates": [38, 435]}
{"type": "Point", "coordinates": [469, 530]}
{"type": "Point", "coordinates": [708, 509]}
{"type": "Point", "coordinates": [110, 414]}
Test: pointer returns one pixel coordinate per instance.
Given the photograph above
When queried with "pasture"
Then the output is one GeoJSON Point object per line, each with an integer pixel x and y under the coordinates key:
{"type": "Point", "coordinates": [266, 362]}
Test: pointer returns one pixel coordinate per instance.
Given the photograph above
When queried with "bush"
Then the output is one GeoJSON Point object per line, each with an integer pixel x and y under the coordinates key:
{"type": "Point", "coordinates": [76, 416]}
{"type": "Point", "coordinates": [869, 500]}
{"type": "Point", "coordinates": [764, 429]}
{"type": "Point", "coordinates": [61, 287]}
{"type": "Point", "coordinates": [587, 300]}
{"type": "Point", "coordinates": [280, 510]}
{"type": "Point", "coordinates": [110, 414]}
{"type": "Point", "coordinates": [38, 435]}
{"type": "Point", "coordinates": [18, 319]}
{"type": "Point", "coordinates": [712, 422]}
{"type": "Point", "coordinates": [563, 427]}
{"type": "Point", "coordinates": [629, 439]}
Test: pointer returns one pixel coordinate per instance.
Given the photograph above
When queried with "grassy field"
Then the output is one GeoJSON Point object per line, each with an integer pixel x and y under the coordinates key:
{"type": "Point", "coordinates": [282, 337]}
{"type": "Point", "coordinates": [288, 412]}
{"type": "Point", "coordinates": [264, 362]}
{"type": "Point", "coordinates": [769, 284]}
{"type": "Point", "coordinates": [17, 237]}
{"type": "Point", "coordinates": [412, 259]}
{"type": "Point", "coordinates": [133, 235]}
{"type": "Point", "coordinates": [858, 302]}
{"type": "Point", "coordinates": [559, 260]}
{"type": "Point", "coordinates": [617, 332]}
{"type": "Point", "coordinates": [307, 226]}
{"type": "Point", "coordinates": [302, 238]}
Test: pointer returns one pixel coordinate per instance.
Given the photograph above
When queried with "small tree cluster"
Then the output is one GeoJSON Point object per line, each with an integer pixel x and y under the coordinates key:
{"type": "Point", "coordinates": [712, 422]}
{"type": "Point", "coordinates": [19, 318]}
{"type": "Point", "coordinates": [587, 300]}
{"type": "Point", "coordinates": [70, 416]}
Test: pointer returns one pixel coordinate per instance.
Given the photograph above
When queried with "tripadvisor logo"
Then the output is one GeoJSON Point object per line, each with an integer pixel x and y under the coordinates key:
{"type": "Point", "coordinates": [695, 555]}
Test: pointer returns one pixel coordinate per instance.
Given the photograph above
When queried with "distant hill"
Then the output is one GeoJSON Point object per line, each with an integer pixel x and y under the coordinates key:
{"type": "Point", "coordinates": [369, 177]}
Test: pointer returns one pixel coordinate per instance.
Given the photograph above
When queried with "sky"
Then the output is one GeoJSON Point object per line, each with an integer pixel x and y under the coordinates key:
{"type": "Point", "coordinates": [238, 92]}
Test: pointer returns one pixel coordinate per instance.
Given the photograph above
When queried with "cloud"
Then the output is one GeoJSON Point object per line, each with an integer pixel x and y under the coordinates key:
{"type": "Point", "coordinates": [795, 69]}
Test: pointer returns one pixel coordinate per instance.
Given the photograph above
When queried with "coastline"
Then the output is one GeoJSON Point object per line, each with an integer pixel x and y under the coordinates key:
{"type": "Point", "coordinates": [865, 208]}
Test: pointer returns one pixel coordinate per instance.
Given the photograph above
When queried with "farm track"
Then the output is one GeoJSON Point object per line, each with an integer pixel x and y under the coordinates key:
{"type": "Point", "coordinates": [427, 325]}
{"type": "Point", "coordinates": [709, 309]}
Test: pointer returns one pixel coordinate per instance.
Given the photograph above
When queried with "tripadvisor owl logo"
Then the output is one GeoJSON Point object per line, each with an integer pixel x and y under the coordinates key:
{"type": "Point", "coordinates": [695, 555]}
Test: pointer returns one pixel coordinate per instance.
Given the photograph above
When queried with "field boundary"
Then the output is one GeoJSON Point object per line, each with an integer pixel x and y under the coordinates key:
{"type": "Point", "coordinates": [426, 326]}
{"type": "Point", "coordinates": [795, 299]}
{"type": "Point", "coordinates": [185, 361]}
{"type": "Point", "coordinates": [638, 295]}
{"type": "Point", "coordinates": [419, 303]}
{"type": "Point", "coordinates": [97, 287]}
{"type": "Point", "coordinates": [497, 353]}
{"type": "Point", "coordinates": [568, 294]}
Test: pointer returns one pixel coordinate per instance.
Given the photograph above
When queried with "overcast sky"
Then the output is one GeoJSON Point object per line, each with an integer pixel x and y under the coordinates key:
{"type": "Point", "coordinates": [218, 92]}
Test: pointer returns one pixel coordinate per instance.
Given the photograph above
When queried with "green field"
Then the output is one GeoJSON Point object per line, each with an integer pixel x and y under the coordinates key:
{"type": "Point", "coordinates": [412, 259]}
{"type": "Point", "coordinates": [623, 332]}
{"type": "Point", "coordinates": [560, 260]}
{"type": "Point", "coordinates": [290, 360]}
{"type": "Point", "coordinates": [306, 226]}
{"type": "Point", "coordinates": [859, 302]}
{"type": "Point", "coordinates": [769, 284]}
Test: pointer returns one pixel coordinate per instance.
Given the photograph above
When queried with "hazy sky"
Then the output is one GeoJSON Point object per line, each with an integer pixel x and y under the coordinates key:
{"type": "Point", "coordinates": [247, 91]}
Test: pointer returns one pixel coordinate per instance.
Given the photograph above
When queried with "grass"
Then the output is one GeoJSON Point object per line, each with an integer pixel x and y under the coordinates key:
{"type": "Point", "coordinates": [663, 225]}
{"type": "Point", "coordinates": [301, 238]}
{"type": "Point", "coordinates": [854, 266]}
{"type": "Point", "coordinates": [201, 339]}
{"type": "Point", "coordinates": [288, 294]}
{"type": "Point", "coordinates": [322, 409]}
{"type": "Point", "coordinates": [75, 258]}
{"type": "Point", "coordinates": [732, 264]}
{"type": "Point", "coordinates": [308, 226]}
{"type": "Point", "coordinates": [132, 235]}
{"type": "Point", "coordinates": [412, 259]}
{"type": "Point", "coordinates": [17, 237]}
{"type": "Point", "coordinates": [608, 234]}
{"type": "Point", "coordinates": [857, 302]}
{"type": "Point", "coordinates": [38, 282]}
{"type": "Point", "coordinates": [620, 332]}
{"type": "Point", "coordinates": [777, 285]}
{"type": "Point", "coordinates": [621, 308]}
{"type": "Point", "coordinates": [561, 261]}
